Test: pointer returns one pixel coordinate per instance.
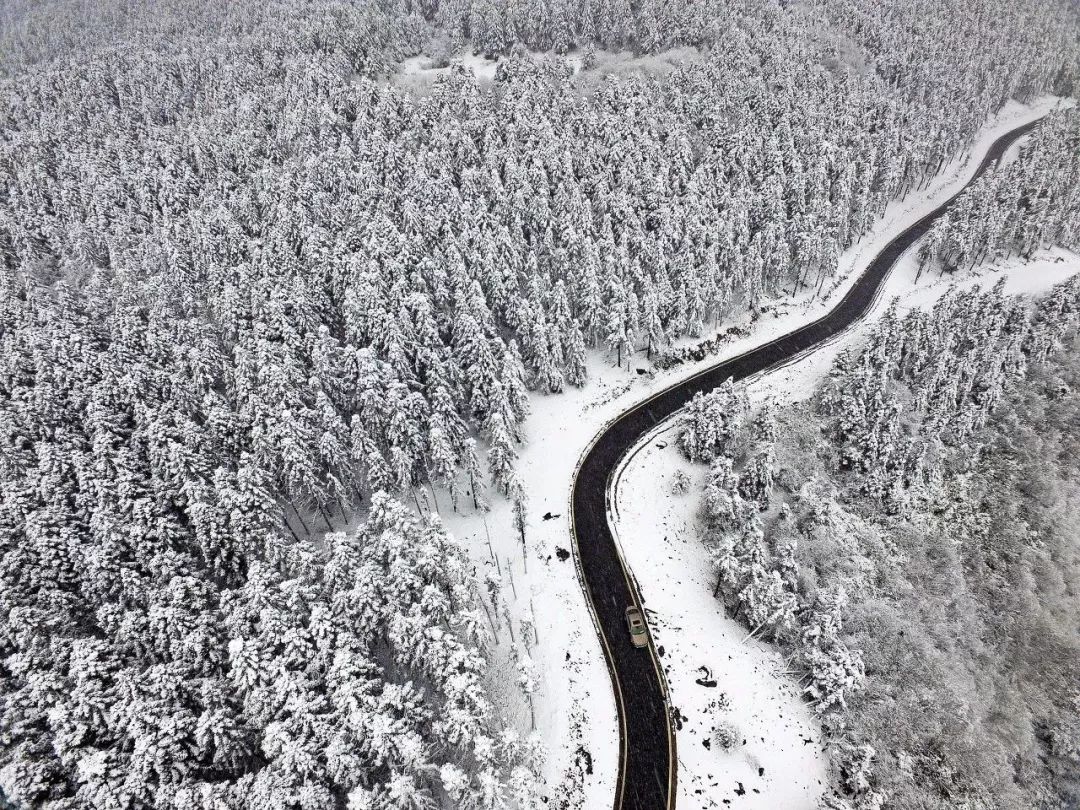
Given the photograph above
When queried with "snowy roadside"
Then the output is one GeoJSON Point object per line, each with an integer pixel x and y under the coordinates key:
{"type": "Point", "coordinates": [714, 677]}
{"type": "Point", "coordinates": [781, 762]}
{"type": "Point", "coordinates": [573, 705]}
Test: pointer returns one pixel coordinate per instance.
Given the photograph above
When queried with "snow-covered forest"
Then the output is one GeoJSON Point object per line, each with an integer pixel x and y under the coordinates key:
{"type": "Point", "coordinates": [907, 537]}
{"type": "Point", "coordinates": [255, 299]}
{"type": "Point", "coordinates": [1033, 203]}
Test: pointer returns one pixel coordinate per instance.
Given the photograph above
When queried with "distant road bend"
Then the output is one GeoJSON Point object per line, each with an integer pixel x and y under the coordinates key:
{"type": "Point", "coordinates": [647, 762]}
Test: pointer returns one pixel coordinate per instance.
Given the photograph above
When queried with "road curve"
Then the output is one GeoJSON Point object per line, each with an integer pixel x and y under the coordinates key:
{"type": "Point", "coordinates": [647, 773]}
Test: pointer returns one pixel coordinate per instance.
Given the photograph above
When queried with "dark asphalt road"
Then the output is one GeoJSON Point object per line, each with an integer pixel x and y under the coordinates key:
{"type": "Point", "coordinates": [646, 779]}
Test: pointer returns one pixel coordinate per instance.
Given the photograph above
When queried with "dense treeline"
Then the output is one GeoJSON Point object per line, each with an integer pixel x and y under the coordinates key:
{"type": "Point", "coordinates": [947, 369]}
{"type": "Point", "coordinates": [245, 285]}
{"type": "Point", "coordinates": [1033, 202]}
{"type": "Point", "coordinates": [907, 537]}
{"type": "Point", "coordinates": [350, 245]}
{"type": "Point", "coordinates": [347, 253]}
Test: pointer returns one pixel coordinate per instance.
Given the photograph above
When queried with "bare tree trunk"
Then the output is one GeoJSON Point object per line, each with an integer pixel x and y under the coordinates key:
{"type": "Point", "coordinates": [524, 548]}
{"type": "Point", "coordinates": [763, 625]}
{"type": "Point", "coordinates": [491, 551]}
{"type": "Point", "coordinates": [434, 497]}
{"type": "Point", "coordinates": [510, 571]}
{"type": "Point", "coordinates": [494, 632]}
{"type": "Point", "coordinates": [800, 283]}
{"type": "Point", "coordinates": [292, 531]}
{"type": "Point", "coordinates": [509, 624]}
{"type": "Point", "coordinates": [298, 517]}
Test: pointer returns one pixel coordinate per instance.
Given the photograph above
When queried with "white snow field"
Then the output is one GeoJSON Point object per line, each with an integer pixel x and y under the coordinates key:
{"type": "Point", "coordinates": [573, 704]}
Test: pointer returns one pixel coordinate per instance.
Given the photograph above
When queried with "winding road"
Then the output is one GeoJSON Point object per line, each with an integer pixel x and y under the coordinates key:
{"type": "Point", "coordinates": [647, 760]}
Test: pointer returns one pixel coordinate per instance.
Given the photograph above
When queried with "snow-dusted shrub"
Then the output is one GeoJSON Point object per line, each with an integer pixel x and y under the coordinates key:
{"type": "Point", "coordinates": [710, 422]}
{"type": "Point", "coordinates": [726, 736]}
{"type": "Point", "coordinates": [720, 703]}
{"type": "Point", "coordinates": [680, 483]}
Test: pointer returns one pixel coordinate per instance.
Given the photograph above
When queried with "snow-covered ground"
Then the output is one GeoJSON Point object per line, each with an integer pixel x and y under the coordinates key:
{"type": "Point", "coordinates": [713, 676]}
{"type": "Point", "coordinates": [574, 707]}
{"type": "Point", "coordinates": [659, 535]}
{"type": "Point", "coordinates": [418, 73]}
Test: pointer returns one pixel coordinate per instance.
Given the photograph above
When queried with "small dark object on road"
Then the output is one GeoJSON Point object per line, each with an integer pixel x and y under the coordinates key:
{"type": "Point", "coordinates": [705, 680]}
{"type": "Point", "coordinates": [707, 743]}
{"type": "Point", "coordinates": [562, 554]}
{"type": "Point", "coordinates": [660, 650]}
{"type": "Point", "coordinates": [642, 370]}
{"type": "Point", "coordinates": [549, 516]}
{"type": "Point", "coordinates": [678, 717]}
{"type": "Point", "coordinates": [661, 445]}
{"type": "Point", "coordinates": [635, 623]}
{"type": "Point", "coordinates": [807, 740]}
{"type": "Point", "coordinates": [760, 771]}
{"type": "Point", "coordinates": [741, 791]}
